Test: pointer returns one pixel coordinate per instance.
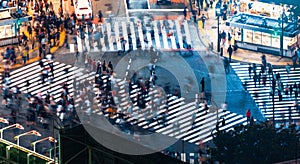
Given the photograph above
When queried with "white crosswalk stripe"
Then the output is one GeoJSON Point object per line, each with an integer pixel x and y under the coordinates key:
{"type": "Point", "coordinates": [32, 73]}
{"type": "Point", "coordinates": [284, 110]}
{"type": "Point", "coordinates": [176, 123]}
{"type": "Point", "coordinates": [167, 34]}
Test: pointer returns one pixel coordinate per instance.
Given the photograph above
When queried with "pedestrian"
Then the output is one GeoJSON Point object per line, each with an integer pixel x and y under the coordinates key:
{"type": "Point", "coordinates": [230, 51]}
{"type": "Point", "coordinates": [221, 51]}
{"type": "Point", "coordinates": [194, 116]}
{"type": "Point", "coordinates": [255, 79]}
{"type": "Point", "coordinates": [249, 70]}
{"type": "Point", "coordinates": [226, 65]}
{"type": "Point", "coordinates": [41, 63]}
{"type": "Point", "coordinates": [229, 38]}
{"type": "Point", "coordinates": [40, 51]}
{"type": "Point", "coordinates": [294, 59]}
{"type": "Point", "coordinates": [287, 90]}
{"type": "Point", "coordinates": [264, 60]}
{"type": "Point", "coordinates": [185, 12]}
{"type": "Point", "coordinates": [280, 96]}
{"type": "Point", "coordinates": [270, 69]}
{"type": "Point", "coordinates": [223, 37]}
{"type": "Point", "coordinates": [291, 90]}
{"type": "Point", "coordinates": [104, 67]}
{"type": "Point", "coordinates": [248, 115]}
{"type": "Point", "coordinates": [130, 42]}
{"type": "Point", "coordinates": [110, 66]}
{"type": "Point", "coordinates": [66, 41]}
{"type": "Point", "coordinates": [27, 51]}
{"type": "Point", "coordinates": [123, 44]}
{"type": "Point", "coordinates": [24, 56]}
{"type": "Point", "coordinates": [100, 15]}
{"type": "Point", "coordinates": [288, 68]}
{"type": "Point", "coordinates": [51, 68]}
{"type": "Point", "coordinates": [252, 120]}
{"type": "Point", "coordinates": [202, 84]}
{"type": "Point", "coordinates": [44, 75]}
{"type": "Point", "coordinates": [203, 18]}
{"type": "Point", "coordinates": [224, 106]}
{"type": "Point", "coordinates": [254, 67]}
{"type": "Point", "coordinates": [264, 80]}
{"type": "Point", "coordinates": [128, 4]}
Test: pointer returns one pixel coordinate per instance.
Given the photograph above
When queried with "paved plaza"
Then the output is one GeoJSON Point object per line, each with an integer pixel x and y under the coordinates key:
{"type": "Point", "coordinates": [163, 77]}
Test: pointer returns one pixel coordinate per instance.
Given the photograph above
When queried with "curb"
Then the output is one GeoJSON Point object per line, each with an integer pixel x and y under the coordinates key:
{"type": "Point", "coordinates": [237, 58]}
{"type": "Point", "coordinates": [52, 50]}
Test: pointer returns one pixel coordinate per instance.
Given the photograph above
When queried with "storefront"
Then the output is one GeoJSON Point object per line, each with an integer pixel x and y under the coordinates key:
{"type": "Point", "coordinates": [260, 8]}
{"type": "Point", "coordinates": [8, 35]}
{"type": "Point", "coordinates": [9, 28]}
{"type": "Point", "coordinates": [263, 34]}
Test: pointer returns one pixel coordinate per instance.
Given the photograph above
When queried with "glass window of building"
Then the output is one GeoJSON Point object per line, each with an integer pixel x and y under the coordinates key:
{"type": "Point", "coordinates": [248, 36]}
{"type": "Point", "coordinates": [257, 37]}
{"type": "Point", "coordinates": [7, 31]}
{"type": "Point", "coordinates": [266, 39]}
{"type": "Point", "coordinates": [276, 41]}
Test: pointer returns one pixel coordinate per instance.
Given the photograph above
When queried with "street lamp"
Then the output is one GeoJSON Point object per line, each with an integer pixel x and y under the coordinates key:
{"type": "Point", "coordinates": [51, 139]}
{"type": "Point", "coordinates": [19, 126]}
{"type": "Point", "coordinates": [32, 132]}
{"type": "Point", "coordinates": [273, 94]}
{"type": "Point", "coordinates": [3, 120]}
{"type": "Point", "coordinates": [218, 13]}
{"type": "Point", "coordinates": [281, 20]}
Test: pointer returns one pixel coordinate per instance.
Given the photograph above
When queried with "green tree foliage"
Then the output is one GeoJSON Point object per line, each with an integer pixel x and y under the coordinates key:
{"type": "Point", "coordinates": [258, 143]}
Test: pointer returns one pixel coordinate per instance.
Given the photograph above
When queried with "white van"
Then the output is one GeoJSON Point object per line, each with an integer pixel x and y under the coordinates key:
{"type": "Point", "coordinates": [83, 9]}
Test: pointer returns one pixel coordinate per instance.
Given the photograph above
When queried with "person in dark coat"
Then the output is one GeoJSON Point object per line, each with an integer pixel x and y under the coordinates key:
{"type": "Point", "coordinates": [230, 51]}
{"type": "Point", "coordinates": [202, 84]}
{"type": "Point", "coordinates": [51, 68]}
{"type": "Point", "coordinates": [100, 15]}
{"type": "Point", "coordinates": [185, 12]}
{"type": "Point", "coordinates": [41, 63]}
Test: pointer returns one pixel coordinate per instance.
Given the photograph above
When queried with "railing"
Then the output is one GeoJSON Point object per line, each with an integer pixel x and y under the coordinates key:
{"type": "Point", "coordinates": [19, 154]}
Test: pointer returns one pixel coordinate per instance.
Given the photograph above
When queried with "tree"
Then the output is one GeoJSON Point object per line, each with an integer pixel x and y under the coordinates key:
{"type": "Point", "coordinates": [259, 143]}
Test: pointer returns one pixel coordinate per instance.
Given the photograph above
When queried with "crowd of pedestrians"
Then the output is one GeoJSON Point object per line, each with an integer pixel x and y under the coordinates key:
{"type": "Point", "coordinates": [40, 108]}
{"type": "Point", "coordinates": [267, 78]}
{"type": "Point", "coordinates": [41, 33]}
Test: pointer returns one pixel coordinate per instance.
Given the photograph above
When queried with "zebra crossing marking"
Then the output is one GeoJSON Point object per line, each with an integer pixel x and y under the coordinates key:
{"type": "Point", "coordinates": [179, 116]}
{"type": "Point", "coordinates": [111, 32]}
{"type": "Point", "coordinates": [261, 94]}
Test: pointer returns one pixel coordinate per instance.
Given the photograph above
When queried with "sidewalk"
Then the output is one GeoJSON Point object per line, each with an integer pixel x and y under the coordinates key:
{"type": "Point", "coordinates": [210, 34]}
{"type": "Point", "coordinates": [33, 52]}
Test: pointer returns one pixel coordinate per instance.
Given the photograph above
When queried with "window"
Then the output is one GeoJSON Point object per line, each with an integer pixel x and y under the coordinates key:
{"type": "Point", "coordinates": [266, 39]}
{"type": "Point", "coordinates": [276, 41]}
{"type": "Point", "coordinates": [248, 35]}
{"type": "Point", "coordinates": [257, 37]}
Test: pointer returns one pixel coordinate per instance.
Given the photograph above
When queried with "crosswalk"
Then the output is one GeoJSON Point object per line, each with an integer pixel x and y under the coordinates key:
{"type": "Point", "coordinates": [284, 110]}
{"type": "Point", "coordinates": [191, 122]}
{"type": "Point", "coordinates": [135, 33]}
{"type": "Point", "coordinates": [32, 74]}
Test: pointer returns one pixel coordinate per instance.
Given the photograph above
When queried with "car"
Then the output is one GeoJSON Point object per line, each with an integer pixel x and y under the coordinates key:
{"type": "Point", "coordinates": [83, 9]}
{"type": "Point", "coordinates": [167, 2]}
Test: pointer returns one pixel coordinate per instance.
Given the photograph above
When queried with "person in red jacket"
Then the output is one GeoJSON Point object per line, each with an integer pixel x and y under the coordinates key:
{"type": "Point", "coordinates": [248, 115]}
